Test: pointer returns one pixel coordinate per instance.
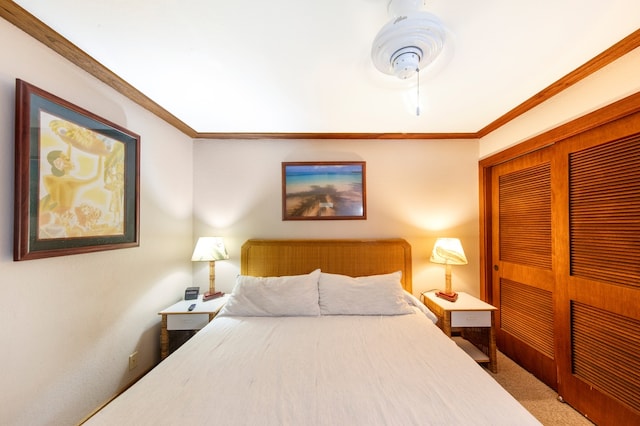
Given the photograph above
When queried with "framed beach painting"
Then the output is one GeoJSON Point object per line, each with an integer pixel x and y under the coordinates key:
{"type": "Point", "coordinates": [76, 179]}
{"type": "Point", "coordinates": [327, 190]}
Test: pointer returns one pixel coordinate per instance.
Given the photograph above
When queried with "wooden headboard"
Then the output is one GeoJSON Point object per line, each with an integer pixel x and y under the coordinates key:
{"type": "Point", "coordinates": [267, 258]}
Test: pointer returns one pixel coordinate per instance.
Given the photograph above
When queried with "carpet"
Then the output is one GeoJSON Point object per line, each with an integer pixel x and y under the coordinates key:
{"type": "Point", "coordinates": [535, 396]}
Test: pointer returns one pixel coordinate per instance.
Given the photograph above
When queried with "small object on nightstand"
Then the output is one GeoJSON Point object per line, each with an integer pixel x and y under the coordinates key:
{"type": "Point", "coordinates": [192, 307]}
{"type": "Point", "coordinates": [191, 293]}
{"type": "Point", "coordinates": [450, 297]}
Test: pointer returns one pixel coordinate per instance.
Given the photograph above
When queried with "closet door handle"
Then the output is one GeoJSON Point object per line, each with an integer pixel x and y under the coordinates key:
{"type": "Point", "coordinates": [495, 267]}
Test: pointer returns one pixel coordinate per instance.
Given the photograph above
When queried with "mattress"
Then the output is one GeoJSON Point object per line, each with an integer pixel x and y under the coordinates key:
{"type": "Point", "coordinates": [317, 370]}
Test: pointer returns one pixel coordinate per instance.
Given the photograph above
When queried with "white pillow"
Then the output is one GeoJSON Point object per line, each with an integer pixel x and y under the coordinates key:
{"type": "Point", "coordinates": [293, 295]}
{"type": "Point", "coordinates": [370, 295]}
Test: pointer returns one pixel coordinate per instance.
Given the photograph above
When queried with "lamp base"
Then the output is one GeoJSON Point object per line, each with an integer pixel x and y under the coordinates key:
{"type": "Point", "coordinates": [451, 297]}
{"type": "Point", "coordinates": [208, 295]}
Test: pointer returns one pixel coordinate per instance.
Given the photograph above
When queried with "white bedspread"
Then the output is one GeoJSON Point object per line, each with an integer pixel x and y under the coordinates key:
{"type": "Point", "coordinates": [330, 370]}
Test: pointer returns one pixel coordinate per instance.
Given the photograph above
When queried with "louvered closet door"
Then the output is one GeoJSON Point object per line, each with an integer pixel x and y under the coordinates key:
{"type": "Point", "coordinates": [522, 253]}
{"type": "Point", "coordinates": [599, 323]}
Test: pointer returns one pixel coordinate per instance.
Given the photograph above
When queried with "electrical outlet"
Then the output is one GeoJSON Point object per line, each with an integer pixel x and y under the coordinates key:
{"type": "Point", "coordinates": [133, 360]}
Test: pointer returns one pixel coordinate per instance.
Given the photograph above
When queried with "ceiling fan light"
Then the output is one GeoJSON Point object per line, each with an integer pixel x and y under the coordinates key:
{"type": "Point", "coordinates": [406, 62]}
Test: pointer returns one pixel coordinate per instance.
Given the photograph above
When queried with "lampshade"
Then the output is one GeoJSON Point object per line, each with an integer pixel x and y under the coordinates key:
{"type": "Point", "coordinates": [448, 251]}
{"type": "Point", "coordinates": [208, 249]}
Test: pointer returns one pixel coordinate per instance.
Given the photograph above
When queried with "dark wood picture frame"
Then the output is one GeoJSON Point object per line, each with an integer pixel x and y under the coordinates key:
{"type": "Point", "coordinates": [77, 179]}
{"type": "Point", "coordinates": [327, 190]}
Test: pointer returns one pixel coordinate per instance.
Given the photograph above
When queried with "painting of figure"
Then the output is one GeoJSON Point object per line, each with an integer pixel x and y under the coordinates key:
{"type": "Point", "coordinates": [81, 181]}
{"type": "Point", "coordinates": [77, 179]}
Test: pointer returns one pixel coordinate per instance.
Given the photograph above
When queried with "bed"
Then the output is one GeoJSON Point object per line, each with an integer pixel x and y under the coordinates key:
{"type": "Point", "coordinates": [302, 341]}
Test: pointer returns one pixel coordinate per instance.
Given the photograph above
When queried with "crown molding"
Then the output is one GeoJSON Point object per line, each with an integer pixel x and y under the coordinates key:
{"type": "Point", "coordinates": [28, 23]}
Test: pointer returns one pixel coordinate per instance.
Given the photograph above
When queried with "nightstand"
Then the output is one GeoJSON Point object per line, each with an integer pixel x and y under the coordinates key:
{"type": "Point", "coordinates": [469, 322]}
{"type": "Point", "coordinates": [177, 317]}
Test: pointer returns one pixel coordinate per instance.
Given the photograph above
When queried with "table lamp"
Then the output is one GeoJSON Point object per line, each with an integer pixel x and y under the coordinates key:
{"type": "Point", "coordinates": [448, 251]}
{"type": "Point", "coordinates": [210, 249]}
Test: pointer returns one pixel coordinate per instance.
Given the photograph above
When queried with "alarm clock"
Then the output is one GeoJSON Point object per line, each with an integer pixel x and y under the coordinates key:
{"type": "Point", "coordinates": [191, 293]}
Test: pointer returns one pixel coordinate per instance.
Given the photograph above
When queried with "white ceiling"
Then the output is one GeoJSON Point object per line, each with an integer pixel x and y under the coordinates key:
{"type": "Point", "coordinates": [296, 66]}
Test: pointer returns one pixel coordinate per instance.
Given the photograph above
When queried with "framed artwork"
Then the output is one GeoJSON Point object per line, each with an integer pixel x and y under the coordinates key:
{"type": "Point", "coordinates": [324, 190]}
{"type": "Point", "coordinates": [77, 179]}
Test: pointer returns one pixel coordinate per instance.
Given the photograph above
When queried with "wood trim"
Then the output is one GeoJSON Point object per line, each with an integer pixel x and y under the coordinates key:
{"type": "Point", "coordinates": [616, 51]}
{"type": "Point", "coordinates": [381, 136]}
{"type": "Point", "coordinates": [28, 23]}
{"type": "Point", "coordinates": [486, 239]}
{"type": "Point", "coordinates": [607, 114]}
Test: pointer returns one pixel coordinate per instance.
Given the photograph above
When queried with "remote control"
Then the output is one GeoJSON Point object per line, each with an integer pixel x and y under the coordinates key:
{"type": "Point", "coordinates": [192, 307]}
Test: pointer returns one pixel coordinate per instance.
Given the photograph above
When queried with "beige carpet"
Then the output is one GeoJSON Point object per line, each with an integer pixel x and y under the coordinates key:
{"type": "Point", "coordinates": [535, 396]}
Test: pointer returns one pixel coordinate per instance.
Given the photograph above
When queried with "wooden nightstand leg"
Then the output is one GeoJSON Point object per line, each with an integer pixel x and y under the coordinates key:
{"type": "Point", "coordinates": [493, 358]}
{"type": "Point", "coordinates": [164, 339]}
{"type": "Point", "coordinates": [446, 323]}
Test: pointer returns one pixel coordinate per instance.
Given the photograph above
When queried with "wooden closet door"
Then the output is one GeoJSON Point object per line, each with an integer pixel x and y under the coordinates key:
{"type": "Point", "coordinates": [522, 252]}
{"type": "Point", "coordinates": [598, 239]}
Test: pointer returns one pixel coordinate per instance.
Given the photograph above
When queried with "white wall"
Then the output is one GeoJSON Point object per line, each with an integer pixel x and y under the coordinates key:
{"type": "Point", "coordinates": [68, 324]}
{"type": "Point", "coordinates": [417, 190]}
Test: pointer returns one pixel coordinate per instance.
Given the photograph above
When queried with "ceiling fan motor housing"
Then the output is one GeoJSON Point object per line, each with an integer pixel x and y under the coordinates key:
{"type": "Point", "coordinates": [408, 44]}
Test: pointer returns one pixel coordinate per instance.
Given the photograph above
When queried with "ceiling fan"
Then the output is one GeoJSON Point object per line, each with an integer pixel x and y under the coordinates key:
{"type": "Point", "coordinates": [409, 42]}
